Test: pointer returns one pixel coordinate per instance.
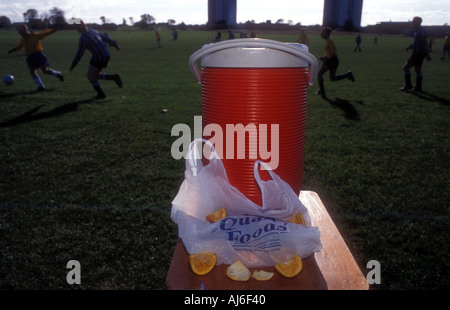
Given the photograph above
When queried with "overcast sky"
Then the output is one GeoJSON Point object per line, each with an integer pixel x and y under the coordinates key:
{"type": "Point", "coordinates": [307, 12]}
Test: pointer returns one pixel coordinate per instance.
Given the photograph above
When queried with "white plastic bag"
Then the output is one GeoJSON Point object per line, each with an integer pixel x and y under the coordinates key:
{"type": "Point", "coordinates": [207, 189]}
{"type": "Point", "coordinates": [260, 236]}
{"type": "Point", "coordinates": [255, 241]}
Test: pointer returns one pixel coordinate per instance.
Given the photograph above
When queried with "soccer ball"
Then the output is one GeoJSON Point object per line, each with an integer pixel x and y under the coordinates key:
{"type": "Point", "coordinates": [8, 79]}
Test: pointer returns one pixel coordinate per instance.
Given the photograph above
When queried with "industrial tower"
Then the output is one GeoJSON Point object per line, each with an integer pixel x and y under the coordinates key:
{"type": "Point", "coordinates": [222, 13]}
{"type": "Point", "coordinates": [342, 14]}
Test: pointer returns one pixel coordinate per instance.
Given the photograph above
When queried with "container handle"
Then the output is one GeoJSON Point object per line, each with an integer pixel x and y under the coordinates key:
{"type": "Point", "coordinates": [256, 43]}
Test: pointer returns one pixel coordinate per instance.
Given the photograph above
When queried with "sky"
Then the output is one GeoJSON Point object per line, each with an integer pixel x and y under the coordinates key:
{"type": "Point", "coordinates": [307, 12]}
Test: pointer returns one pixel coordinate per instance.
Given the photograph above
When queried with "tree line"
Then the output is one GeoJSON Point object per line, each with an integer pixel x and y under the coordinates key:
{"type": "Point", "coordinates": [55, 18]}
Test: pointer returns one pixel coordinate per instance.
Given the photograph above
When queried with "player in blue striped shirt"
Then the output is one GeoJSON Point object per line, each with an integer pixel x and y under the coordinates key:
{"type": "Point", "coordinates": [94, 42]}
{"type": "Point", "coordinates": [420, 52]}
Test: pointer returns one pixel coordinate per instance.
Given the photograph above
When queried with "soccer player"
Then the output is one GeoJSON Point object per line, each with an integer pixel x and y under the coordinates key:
{"type": "Point", "coordinates": [420, 52]}
{"type": "Point", "coordinates": [94, 42]}
{"type": "Point", "coordinates": [330, 62]}
{"type": "Point", "coordinates": [36, 58]}
{"type": "Point", "coordinates": [358, 43]}
{"type": "Point", "coordinates": [303, 38]}
{"type": "Point", "coordinates": [158, 38]}
{"type": "Point", "coordinates": [446, 48]}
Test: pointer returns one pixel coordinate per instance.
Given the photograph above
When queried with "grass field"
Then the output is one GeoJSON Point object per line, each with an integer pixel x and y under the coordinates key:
{"type": "Point", "coordinates": [94, 180]}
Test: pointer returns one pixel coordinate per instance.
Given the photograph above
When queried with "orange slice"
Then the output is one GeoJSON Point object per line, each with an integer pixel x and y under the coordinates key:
{"type": "Point", "coordinates": [238, 272]}
{"type": "Point", "coordinates": [290, 268]}
{"type": "Point", "coordinates": [262, 275]}
{"type": "Point", "coordinates": [214, 217]}
{"type": "Point", "coordinates": [202, 263]}
{"type": "Point", "coordinates": [298, 219]}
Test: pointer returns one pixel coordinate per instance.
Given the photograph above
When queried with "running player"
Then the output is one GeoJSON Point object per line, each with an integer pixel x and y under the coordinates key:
{"type": "Point", "coordinates": [303, 38]}
{"type": "Point", "coordinates": [330, 62]}
{"type": "Point", "coordinates": [36, 58]}
{"type": "Point", "coordinates": [158, 38]}
{"type": "Point", "coordinates": [446, 48]}
{"type": "Point", "coordinates": [94, 42]}
{"type": "Point", "coordinates": [420, 52]}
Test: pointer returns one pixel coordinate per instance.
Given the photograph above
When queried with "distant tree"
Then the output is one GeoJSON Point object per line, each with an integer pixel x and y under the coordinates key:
{"type": "Point", "coordinates": [124, 22]}
{"type": "Point", "coordinates": [57, 17]}
{"type": "Point", "coordinates": [280, 21]}
{"type": "Point", "coordinates": [131, 21]}
{"type": "Point", "coordinates": [103, 19]}
{"type": "Point", "coordinates": [45, 19]}
{"type": "Point", "coordinates": [30, 14]}
{"type": "Point", "coordinates": [171, 22]}
{"type": "Point", "coordinates": [147, 18]}
{"type": "Point", "coordinates": [31, 17]}
{"type": "Point", "coordinates": [183, 26]}
{"type": "Point", "coordinates": [5, 22]}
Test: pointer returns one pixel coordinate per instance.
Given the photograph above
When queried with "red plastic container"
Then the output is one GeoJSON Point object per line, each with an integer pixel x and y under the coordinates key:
{"type": "Point", "coordinates": [253, 82]}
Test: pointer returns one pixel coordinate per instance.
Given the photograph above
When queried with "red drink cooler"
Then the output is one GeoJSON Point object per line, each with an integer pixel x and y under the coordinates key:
{"type": "Point", "coordinates": [256, 90]}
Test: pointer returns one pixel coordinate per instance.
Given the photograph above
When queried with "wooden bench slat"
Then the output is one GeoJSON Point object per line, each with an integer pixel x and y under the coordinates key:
{"type": "Point", "coordinates": [336, 262]}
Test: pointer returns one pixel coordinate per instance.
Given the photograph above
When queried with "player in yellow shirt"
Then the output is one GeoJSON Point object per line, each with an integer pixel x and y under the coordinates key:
{"type": "Point", "coordinates": [158, 38]}
{"type": "Point", "coordinates": [330, 62]}
{"type": "Point", "coordinates": [31, 43]}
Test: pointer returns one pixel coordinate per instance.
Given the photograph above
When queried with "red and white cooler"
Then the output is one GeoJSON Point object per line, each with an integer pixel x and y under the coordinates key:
{"type": "Point", "coordinates": [255, 90]}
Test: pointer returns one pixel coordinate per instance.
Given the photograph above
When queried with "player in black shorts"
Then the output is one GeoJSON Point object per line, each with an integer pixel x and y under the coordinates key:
{"type": "Point", "coordinates": [330, 63]}
{"type": "Point", "coordinates": [420, 52]}
{"type": "Point", "coordinates": [94, 42]}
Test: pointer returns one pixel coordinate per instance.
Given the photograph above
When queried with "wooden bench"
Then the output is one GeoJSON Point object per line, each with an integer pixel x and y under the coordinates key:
{"type": "Point", "coordinates": [333, 268]}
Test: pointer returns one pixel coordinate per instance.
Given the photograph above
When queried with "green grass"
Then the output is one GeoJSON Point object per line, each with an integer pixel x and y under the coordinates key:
{"type": "Point", "coordinates": [94, 180]}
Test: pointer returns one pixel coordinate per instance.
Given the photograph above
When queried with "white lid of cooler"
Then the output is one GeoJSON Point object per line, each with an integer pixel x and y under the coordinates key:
{"type": "Point", "coordinates": [254, 57]}
{"type": "Point", "coordinates": [254, 53]}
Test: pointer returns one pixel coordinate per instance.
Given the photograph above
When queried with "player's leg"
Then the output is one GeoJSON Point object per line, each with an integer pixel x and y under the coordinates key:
{"type": "Point", "coordinates": [50, 71]}
{"type": "Point", "coordinates": [33, 65]}
{"type": "Point", "coordinates": [92, 75]}
{"type": "Point", "coordinates": [419, 78]}
{"type": "Point", "coordinates": [333, 65]}
{"type": "Point", "coordinates": [445, 49]}
{"type": "Point", "coordinates": [43, 63]}
{"type": "Point", "coordinates": [407, 73]}
{"type": "Point", "coordinates": [337, 77]}
{"type": "Point", "coordinates": [320, 75]}
{"type": "Point", "coordinates": [111, 77]}
{"type": "Point", "coordinates": [37, 78]}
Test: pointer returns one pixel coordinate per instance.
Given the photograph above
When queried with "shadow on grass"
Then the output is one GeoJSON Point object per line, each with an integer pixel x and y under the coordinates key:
{"type": "Point", "coordinates": [32, 116]}
{"type": "Point", "coordinates": [345, 105]}
{"type": "Point", "coordinates": [431, 97]}
{"type": "Point", "coordinates": [31, 92]}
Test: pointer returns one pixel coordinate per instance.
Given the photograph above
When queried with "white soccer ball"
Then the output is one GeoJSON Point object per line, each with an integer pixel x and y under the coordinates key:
{"type": "Point", "coordinates": [8, 79]}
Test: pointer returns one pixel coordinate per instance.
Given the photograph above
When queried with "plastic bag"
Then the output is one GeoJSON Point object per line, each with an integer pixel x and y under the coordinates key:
{"type": "Point", "coordinates": [261, 235]}
{"type": "Point", "coordinates": [207, 189]}
{"type": "Point", "coordinates": [254, 240]}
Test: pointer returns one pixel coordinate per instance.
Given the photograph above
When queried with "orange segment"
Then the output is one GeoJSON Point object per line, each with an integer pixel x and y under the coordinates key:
{"type": "Point", "coordinates": [290, 268]}
{"type": "Point", "coordinates": [298, 219]}
{"type": "Point", "coordinates": [214, 217]}
{"type": "Point", "coordinates": [202, 263]}
{"type": "Point", "coordinates": [262, 275]}
{"type": "Point", "coordinates": [238, 272]}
